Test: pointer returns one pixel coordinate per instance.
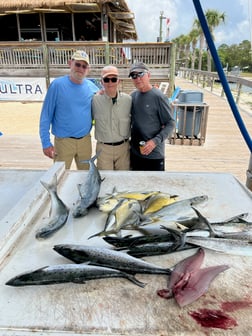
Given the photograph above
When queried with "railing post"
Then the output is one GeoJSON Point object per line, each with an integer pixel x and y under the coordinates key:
{"type": "Point", "coordinates": [46, 64]}
{"type": "Point", "coordinates": [107, 49]}
{"type": "Point", "coordinates": [172, 70]}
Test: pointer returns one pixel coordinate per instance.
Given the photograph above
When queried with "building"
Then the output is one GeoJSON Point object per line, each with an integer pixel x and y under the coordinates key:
{"type": "Point", "coordinates": [71, 20]}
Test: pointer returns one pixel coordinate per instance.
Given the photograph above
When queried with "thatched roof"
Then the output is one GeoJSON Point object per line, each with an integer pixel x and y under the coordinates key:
{"type": "Point", "coordinates": [117, 10]}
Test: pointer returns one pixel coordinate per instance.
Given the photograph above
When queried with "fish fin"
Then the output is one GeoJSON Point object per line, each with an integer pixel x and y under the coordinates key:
{"type": "Point", "coordinates": [205, 221]}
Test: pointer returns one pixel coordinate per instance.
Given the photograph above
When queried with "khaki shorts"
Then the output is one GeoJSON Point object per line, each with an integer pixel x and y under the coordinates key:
{"type": "Point", "coordinates": [68, 149]}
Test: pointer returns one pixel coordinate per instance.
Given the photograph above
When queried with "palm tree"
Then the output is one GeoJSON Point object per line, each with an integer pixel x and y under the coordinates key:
{"type": "Point", "coordinates": [194, 35]}
{"type": "Point", "coordinates": [214, 19]}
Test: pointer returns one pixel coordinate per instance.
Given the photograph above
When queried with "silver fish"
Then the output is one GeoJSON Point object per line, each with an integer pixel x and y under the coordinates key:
{"type": "Point", "coordinates": [89, 190]}
{"type": "Point", "coordinates": [180, 211]}
{"type": "Point", "coordinates": [58, 214]}
{"type": "Point", "coordinates": [68, 273]}
{"type": "Point", "coordinates": [108, 258]}
{"type": "Point", "coordinates": [220, 233]}
{"type": "Point", "coordinates": [225, 245]}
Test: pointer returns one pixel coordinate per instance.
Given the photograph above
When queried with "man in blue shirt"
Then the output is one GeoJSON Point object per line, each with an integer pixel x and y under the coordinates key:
{"type": "Point", "coordinates": [66, 113]}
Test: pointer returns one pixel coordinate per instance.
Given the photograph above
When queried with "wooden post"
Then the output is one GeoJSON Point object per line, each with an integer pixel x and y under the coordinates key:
{"type": "Point", "coordinates": [172, 70]}
{"type": "Point", "coordinates": [46, 63]}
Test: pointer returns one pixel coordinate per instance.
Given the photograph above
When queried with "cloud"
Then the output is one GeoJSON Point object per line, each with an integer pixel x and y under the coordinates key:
{"type": "Point", "coordinates": [182, 15]}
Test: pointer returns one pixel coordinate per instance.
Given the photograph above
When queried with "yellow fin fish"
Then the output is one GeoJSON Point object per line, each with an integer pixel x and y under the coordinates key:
{"type": "Point", "coordinates": [157, 202]}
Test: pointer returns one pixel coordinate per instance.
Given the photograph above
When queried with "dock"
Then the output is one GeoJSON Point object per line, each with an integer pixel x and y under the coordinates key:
{"type": "Point", "coordinates": [224, 150]}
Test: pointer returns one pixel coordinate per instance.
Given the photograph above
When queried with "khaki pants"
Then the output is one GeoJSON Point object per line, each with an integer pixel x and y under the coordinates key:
{"type": "Point", "coordinates": [68, 149]}
{"type": "Point", "coordinates": [113, 157]}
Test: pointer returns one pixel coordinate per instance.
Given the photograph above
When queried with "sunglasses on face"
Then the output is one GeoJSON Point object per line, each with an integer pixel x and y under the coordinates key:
{"type": "Point", "coordinates": [79, 65]}
{"type": "Point", "coordinates": [107, 80]}
{"type": "Point", "coordinates": [137, 75]}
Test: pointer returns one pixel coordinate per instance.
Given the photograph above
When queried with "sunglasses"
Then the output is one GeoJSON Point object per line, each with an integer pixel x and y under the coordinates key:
{"type": "Point", "coordinates": [107, 80]}
{"type": "Point", "coordinates": [79, 65]}
{"type": "Point", "coordinates": [137, 75]}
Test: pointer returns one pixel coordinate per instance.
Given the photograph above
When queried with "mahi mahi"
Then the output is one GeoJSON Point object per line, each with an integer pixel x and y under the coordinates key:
{"type": "Point", "coordinates": [58, 212]}
{"type": "Point", "coordinates": [108, 258]}
{"type": "Point", "coordinates": [89, 190]}
{"type": "Point", "coordinates": [68, 273]}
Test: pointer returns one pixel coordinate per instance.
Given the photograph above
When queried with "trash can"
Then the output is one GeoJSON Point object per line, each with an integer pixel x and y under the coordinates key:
{"type": "Point", "coordinates": [190, 113]}
{"type": "Point", "coordinates": [189, 121]}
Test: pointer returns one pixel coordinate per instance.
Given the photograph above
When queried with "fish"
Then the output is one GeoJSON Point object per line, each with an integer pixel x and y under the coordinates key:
{"type": "Point", "coordinates": [102, 256]}
{"type": "Point", "coordinates": [108, 202]}
{"type": "Point", "coordinates": [188, 282]}
{"type": "Point", "coordinates": [129, 241]}
{"type": "Point", "coordinates": [75, 273]}
{"type": "Point", "coordinates": [58, 213]}
{"type": "Point", "coordinates": [158, 201]}
{"type": "Point", "coordinates": [127, 214]}
{"type": "Point", "coordinates": [180, 211]}
{"type": "Point", "coordinates": [240, 247]}
{"type": "Point", "coordinates": [218, 233]}
{"type": "Point", "coordinates": [89, 190]}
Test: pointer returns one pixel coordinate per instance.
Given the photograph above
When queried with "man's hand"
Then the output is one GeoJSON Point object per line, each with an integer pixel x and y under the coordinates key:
{"type": "Point", "coordinates": [50, 152]}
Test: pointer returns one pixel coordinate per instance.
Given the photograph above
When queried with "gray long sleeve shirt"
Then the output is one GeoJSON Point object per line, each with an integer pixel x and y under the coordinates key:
{"type": "Point", "coordinates": [150, 119]}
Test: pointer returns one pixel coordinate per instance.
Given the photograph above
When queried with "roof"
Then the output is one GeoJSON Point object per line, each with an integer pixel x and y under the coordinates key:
{"type": "Point", "coordinates": [118, 11]}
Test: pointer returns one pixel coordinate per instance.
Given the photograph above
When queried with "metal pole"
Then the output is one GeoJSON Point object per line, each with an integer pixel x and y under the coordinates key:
{"type": "Point", "coordinates": [161, 17]}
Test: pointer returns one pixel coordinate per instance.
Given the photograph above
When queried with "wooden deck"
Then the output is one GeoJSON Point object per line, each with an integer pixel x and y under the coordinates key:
{"type": "Point", "coordinates": [224, 150]}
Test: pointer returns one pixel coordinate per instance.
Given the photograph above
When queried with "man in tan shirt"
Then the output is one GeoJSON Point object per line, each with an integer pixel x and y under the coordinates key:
{"type": "Point", "coordinates": [111, 114]}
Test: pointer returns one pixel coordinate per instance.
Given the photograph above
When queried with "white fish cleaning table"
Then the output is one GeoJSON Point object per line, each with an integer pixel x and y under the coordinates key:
{"type": "Point", "coordinates": [116, 306]}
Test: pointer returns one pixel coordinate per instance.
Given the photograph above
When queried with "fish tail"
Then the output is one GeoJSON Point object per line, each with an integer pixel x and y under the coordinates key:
{"type": "Point", "coordinates": [92, 158]}
{"type": "Point", "coordinates": [52, 185]}
{"type": "Point", "coordinates": [133, 279]}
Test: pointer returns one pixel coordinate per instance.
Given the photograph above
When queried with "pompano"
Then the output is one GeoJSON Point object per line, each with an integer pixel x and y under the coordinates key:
{"type": "Point", "coordinates": [89, 190]}
{"type": "Point", "coordinates": [58, 212]}
{"type": "Point", "coordinates": [158, 201]}
{"type": "Point", "coordinates": [68, 273]}
{"type": "Point", "coordinates": [108, 203]}
{"type": "Point", "coordinates": [108, 258]}
{"type": "Point", "coordinates": [126, 214]}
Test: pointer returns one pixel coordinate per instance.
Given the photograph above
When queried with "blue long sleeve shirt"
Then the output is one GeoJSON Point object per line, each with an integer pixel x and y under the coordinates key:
{"type": "Point", "coordinates": [66, 110]}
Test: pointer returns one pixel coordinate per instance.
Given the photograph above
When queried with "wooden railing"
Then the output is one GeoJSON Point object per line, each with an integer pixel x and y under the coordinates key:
{"type": "Point", "coordinates": [51, 59]}
{"type": "Point", "coordinates": [211, 80]}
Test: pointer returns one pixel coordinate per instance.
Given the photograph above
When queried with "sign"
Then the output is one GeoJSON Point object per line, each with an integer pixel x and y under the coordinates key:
{"type": "Point", "coordinates": [22, 89]}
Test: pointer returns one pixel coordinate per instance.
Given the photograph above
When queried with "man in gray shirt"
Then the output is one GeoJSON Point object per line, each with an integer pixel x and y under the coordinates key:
{"type": "Point", "coordinates": [111, 114]}
{"type": "Point", "coordinates": [151, 122]}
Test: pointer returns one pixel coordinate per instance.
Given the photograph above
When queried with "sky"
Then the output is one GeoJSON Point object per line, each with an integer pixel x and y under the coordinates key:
{"type": "Point", "coordinates": [182, 13]}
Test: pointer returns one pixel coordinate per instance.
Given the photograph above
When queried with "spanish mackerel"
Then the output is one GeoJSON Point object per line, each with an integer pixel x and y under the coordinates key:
{"type": "Point", "coordinates": [50, 275]}
{"type": "Point", "coordinates": [108, 258]}
{"type": "Point", "coordinates": [58, 213]}
{"type": "Point", "coordinates": [89, 190]}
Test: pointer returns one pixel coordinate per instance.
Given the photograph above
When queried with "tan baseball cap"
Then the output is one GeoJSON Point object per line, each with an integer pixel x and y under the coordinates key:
{"type": "Point", "coordinates": [109, 70]}
{"type": "Point", "coordinates": [80, 55]}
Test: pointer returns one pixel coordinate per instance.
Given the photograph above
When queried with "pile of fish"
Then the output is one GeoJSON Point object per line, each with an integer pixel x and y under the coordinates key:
{"type": "Point", "coordinates": [161, 224]}
{"type": "Point", "coordinates": [164, 222]}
